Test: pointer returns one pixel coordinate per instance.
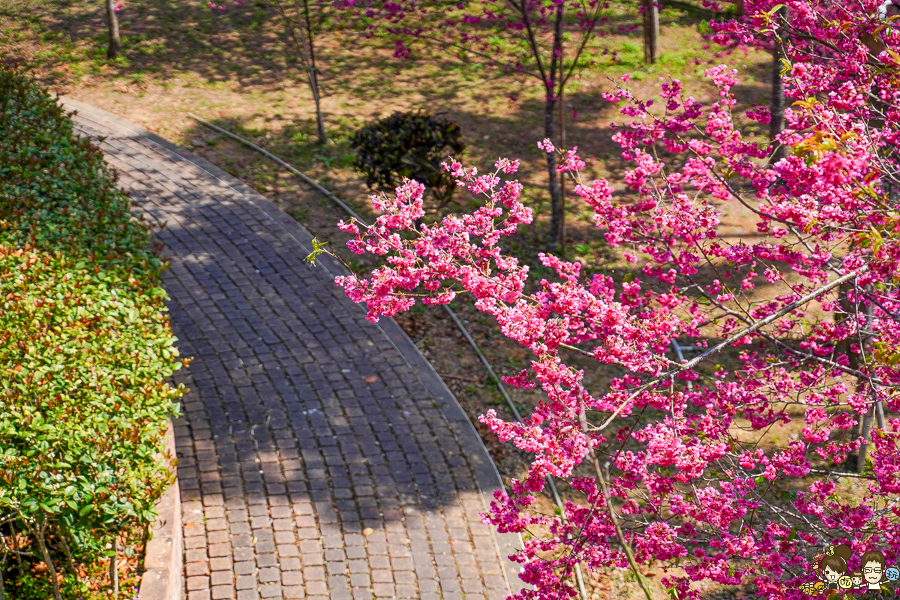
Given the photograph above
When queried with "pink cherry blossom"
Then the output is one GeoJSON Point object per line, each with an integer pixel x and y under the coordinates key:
{"type": "Point", "coordinates": [808, 305]}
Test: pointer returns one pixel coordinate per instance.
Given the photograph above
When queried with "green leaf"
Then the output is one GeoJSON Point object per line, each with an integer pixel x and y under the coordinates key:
{"type": "Point", "coordinates": [317, 250]}
{"type": "Point", "coordinates": [774, 10]}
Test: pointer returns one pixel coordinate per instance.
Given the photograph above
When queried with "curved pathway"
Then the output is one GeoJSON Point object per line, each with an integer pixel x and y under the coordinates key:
{"type": "Point", "coordinates": [320, 455]}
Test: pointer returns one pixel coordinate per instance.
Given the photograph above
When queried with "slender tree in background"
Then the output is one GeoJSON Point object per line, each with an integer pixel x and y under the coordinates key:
{"type": "Point", "coordinates": [302, 26]}
{"type": "Point", "coordinates": [302, 20]}
{"type": "Point", "coordinates": [529, 37]}
{"type": "Point", "coordinates": [112, 22]}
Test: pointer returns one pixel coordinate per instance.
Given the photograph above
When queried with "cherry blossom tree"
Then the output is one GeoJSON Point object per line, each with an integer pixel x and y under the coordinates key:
{"type": "Point", "coordinates": [682, 466]}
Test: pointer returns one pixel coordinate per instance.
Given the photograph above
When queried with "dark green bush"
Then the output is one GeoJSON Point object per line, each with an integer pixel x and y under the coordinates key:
{"type": "Point", "coordinates": [85, 346]}
{"type": "Point", "coordinates": [410, 145]}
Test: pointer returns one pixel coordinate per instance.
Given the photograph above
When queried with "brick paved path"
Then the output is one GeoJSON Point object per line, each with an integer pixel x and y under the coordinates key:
{"type": "Point", "coordinates": [320, 456]}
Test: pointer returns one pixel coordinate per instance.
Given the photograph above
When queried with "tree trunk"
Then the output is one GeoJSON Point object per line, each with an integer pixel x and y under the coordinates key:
{"type": "Point", "coordinates": [113, 571]}
{"type": "Point", "coordinates": [848, 308]}
{"type": "Point", "coordinates": [555, 196]}
{"type": "Point", "coordinates": [553, 89]}
{"type": "Point", "coordinates": [562, 176]}
{"type": "Point", "coordinates": [875, 414]}
{"type": "Point", "coordinates": [776, 109]}
{"type": "Point", "coordinates": [113, 24]}
{"type": "Point", "coordinates": [320, 119]}
{"type": "Point", "coordinates": [863, 448]}
{"type": "Point", "coordinates": [39, 534]}
{"type": "Point", "coordinates": [741, 9]}
{"type": "Point", "coordinates": [651, 31]}
{"type": "Point", "coordinates": [68, 552]}
{"type": "Point", "coordinates": [314, 75]}
{"type": "Point", "coordinates": [2, 568]}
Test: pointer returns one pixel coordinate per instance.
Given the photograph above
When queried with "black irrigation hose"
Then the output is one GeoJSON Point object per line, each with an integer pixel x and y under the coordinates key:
{"type": "Point", "coordinates": [453, 316]}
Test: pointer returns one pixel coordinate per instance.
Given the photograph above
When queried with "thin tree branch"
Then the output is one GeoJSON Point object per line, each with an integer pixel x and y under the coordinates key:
{"type": "Point", "coordinates": [476, 52]}
{"type": "Point", "coordinates": [611, 510]}
{"type": "Point", "coordinates": [743, 333]}
{"type": "Point", "coordinates": [531, 37]}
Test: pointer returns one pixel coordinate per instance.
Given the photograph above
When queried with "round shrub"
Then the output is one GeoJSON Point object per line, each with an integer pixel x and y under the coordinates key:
{"type": "Point", "coordinates": [410, 145]}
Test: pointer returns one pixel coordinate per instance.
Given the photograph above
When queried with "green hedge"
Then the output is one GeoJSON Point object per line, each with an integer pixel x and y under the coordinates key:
{"type": "Point", "coordinates": [85, 347]}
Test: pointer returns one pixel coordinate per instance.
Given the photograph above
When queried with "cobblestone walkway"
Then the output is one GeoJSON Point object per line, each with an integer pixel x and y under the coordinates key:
{"type": "Point", "coordinates": [320, 456]}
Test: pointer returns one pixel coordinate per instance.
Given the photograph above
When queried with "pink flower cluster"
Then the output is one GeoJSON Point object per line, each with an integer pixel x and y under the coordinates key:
{"type": "Point", "coordinates": [816, 351]}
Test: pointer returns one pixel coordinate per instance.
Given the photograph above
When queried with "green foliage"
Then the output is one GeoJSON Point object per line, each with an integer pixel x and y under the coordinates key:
{"type": "Point", "coordinates": [408, 145]}
{"type": "Point", "coordinates": [56, 192]}
{"type": "Point", "coordinates": [85, 343]}
{"type": "Point", "coordinates": [29, 587]}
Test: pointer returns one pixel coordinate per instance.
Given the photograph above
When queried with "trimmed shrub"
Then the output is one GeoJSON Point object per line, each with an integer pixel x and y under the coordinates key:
{"type": "Point", "coordinates": [410, 145]}
{"type": "Point", "coordinates": [85, 347]}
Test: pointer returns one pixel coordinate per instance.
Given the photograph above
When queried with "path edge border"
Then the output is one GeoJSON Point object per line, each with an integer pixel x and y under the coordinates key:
{"type": "Point", "coordinates": [162, 578]}
{"type": "Point", "coordinates": [487, 476]}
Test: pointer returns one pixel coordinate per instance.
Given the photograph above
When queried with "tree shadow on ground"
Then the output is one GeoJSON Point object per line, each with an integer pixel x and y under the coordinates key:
{"type": "Point", "coordinates": [159, 38]}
